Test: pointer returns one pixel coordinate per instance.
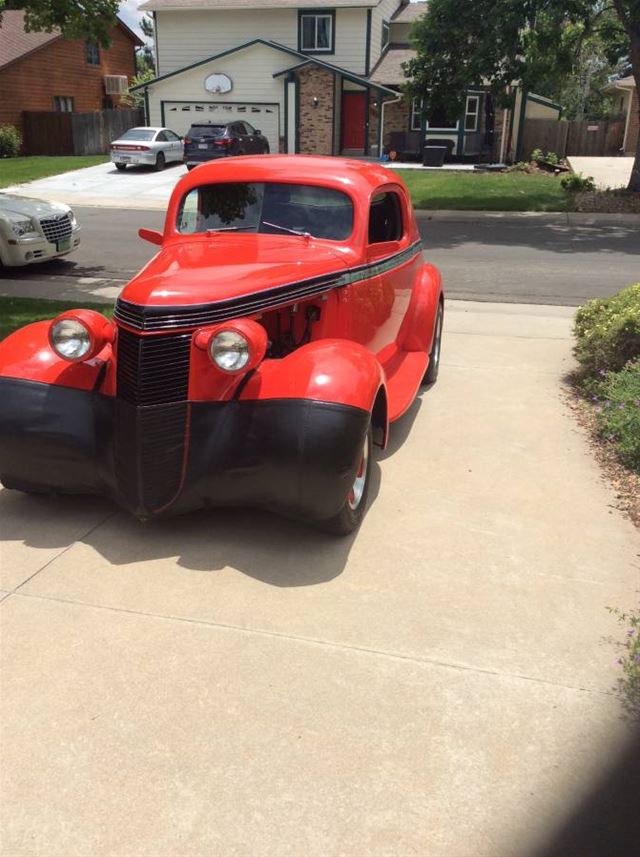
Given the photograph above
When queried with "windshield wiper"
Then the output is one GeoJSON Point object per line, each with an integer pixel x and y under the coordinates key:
{"type": "Point", "coordinates": [229, 229]}
{"type": "Point", "coordinates": [287, 229]}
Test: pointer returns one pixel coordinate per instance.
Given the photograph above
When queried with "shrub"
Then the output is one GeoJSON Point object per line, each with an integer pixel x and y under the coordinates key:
{"type": "Point", "coordinates": [10, 141]}
{"type": "Point", "coordinates": [537, 155]}
{"type": "Point", "coordinates": [618, 411]}
{"type": "Point", "coordinates": [607, 332]}
{"type": "Point", "coordinates": [551, 158]}
{"type": "Point", "coordinates": [577, 183]}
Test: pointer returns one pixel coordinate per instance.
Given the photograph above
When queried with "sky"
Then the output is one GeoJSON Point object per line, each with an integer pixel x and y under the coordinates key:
{"type": "Point", "coordinates": [130, 15]}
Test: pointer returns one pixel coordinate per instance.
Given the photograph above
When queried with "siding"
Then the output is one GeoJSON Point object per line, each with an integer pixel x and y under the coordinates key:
{"type": "Point", "coordinates": [251, 72]}
{"type": "Point", "coordinates": [192, 35]}
{"type": "Point", "coordinates": [383, 11]}
{"type": "Point", "coordinates": [60, 68]}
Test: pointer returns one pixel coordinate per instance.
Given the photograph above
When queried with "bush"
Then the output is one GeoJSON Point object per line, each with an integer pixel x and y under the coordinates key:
{"type": "Point", "coordinates": [537, 155]}
{"type": "Point", "coordinates": [618, 410]}
{"type": "Point", "coordinates": [10, 141]}
{"type": "Point", "coordinates": [577, 183]}
{"type": "Point", "coordinates": [607, 331]}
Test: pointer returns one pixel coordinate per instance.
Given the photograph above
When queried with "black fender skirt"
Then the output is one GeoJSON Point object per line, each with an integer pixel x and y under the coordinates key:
{"type": "Point", "coordinates": [294, 456]}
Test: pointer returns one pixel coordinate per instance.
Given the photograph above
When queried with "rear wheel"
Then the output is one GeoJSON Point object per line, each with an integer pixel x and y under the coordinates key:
{"type": "Point", "coordinates": [431, 374]}
{"type": "Point", "coordinates": [190, 166]}
{"type": "Point", "coordinates": [121, 167]}
{"type": "Point", "coordinates": [266, 149]}
{"type": "Point", "coordinates": [352, 512]}
{"type": "Point", "coordinates": [160, 161]}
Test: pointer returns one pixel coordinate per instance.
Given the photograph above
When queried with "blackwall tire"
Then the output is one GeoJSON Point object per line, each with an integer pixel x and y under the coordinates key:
{"type": "Point", "coordinates": [121, 167]}
{"type": "Point", "coordinates": [160, 162]}
{"type": "Point", "coordinates": [431, 375]}
{"type": "Point", "coordinates": [353, 510]}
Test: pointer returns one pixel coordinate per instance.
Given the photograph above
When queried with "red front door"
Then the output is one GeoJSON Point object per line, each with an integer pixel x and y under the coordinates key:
{"type": "Point", "coordinates": [353, 120]}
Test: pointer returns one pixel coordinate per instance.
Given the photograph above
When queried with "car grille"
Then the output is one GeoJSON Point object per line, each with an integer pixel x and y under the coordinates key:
{"type": "Point", "coordinates": [56, 228]}
{"type": "Point", "coordinates": [152, 414]}
{"type": "Point", "coordinates": [153, 370]}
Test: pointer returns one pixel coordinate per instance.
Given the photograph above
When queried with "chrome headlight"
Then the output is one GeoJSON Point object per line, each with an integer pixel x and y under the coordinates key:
{"type": "Point", "coordinates": [70, 339]}
{"type": "Point", "coordinates": [72, 218]}
{"type": "Point", "coordinates": [229, 351]}
{"type": "Point", "coordinates": [21, 225]}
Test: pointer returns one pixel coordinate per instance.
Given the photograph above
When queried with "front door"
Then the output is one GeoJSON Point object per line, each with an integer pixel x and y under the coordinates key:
{"type": "Point", "coordinates": [353, 120]}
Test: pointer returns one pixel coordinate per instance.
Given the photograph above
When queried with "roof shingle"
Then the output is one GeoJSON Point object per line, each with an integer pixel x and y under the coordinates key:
{"type": "Point", "coordinates": [15, 42]}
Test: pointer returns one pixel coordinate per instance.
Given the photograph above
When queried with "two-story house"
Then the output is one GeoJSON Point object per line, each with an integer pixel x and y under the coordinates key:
{"type": "Point", "coordinates": [45, 72]}
{"type": "Point", "coordinates": [315, 76]}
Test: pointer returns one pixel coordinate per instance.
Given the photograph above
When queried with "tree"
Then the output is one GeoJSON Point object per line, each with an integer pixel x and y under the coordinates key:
{"type": "Point", "coordinates": [145, 59]}
{"type": "Point", "coordinates": [89, 19]}
{"type": "Point", "coordinates": [533, 42]}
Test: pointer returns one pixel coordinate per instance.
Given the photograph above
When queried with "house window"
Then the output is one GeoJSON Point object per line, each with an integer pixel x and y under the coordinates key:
{"type": "Point", "coordinates": [385, 218]}
{"type": "Point", "coordinates": [386, 31]}
{"type": "Point", "coordinates": [416, 114]}
{"type": "Point", "coordinates": [92, 53]}
{"type": "Point", "coordinates": [316, 32]}
{"type": "Point", "coordinates": [439, 120]}
{"type": "Point", "coordinates": [63, 103]}
{"type": "Point", "coordinates": [471, 113]}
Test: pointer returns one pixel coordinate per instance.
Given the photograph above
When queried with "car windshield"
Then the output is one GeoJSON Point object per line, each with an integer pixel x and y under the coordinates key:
{"type": "Point", "coordinates": [206, 130]}
{"type": "Point", "coordinates": [267, 208]}
{"type": "Point", "coordinates": [138, 134]}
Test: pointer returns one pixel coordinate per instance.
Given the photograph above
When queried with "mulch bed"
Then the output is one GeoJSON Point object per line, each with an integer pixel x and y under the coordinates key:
{"type": "Point", "coordinates": [607, 202]}
{"type": "Point", "coordinates": [625, 483]}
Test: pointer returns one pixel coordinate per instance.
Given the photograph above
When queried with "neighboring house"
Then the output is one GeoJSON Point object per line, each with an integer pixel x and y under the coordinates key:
{"type": "Point", "coordinates": [626, 94]}
{"type": "Point", "coordinates": [46, 72]}
{"type": "Point", "coordinates": [315, 76]}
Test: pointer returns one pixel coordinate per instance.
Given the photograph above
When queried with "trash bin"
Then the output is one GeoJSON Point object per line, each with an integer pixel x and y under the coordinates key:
{"type": "Point", "coordinates": [433, 156]}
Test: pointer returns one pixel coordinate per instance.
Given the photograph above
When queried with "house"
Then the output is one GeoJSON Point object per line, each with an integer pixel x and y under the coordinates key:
{"type": "Point", "coordinates": [315, 76]}
{"type": "Point", "coordinates": [46, 72]}
{"type": "Point", "coordinates": [625, 93]}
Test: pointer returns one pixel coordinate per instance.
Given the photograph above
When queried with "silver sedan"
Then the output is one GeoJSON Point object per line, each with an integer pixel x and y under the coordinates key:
{"type": "Point", "coordinates": [150, 147]}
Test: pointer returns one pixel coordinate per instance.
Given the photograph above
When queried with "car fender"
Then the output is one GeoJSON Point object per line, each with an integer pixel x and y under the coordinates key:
{"type": "Point", "coordinates": [335, 371]}
{"type": "Point", "coordinates": [416, 333]}
{"type": "Point", "coordinates": [26, 355]}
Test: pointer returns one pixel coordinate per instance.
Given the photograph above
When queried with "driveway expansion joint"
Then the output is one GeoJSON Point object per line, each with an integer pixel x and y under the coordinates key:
{"type": "Point", "coordinates": [313, 641]}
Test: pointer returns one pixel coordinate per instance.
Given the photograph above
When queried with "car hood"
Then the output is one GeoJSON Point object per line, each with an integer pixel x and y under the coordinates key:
{"type": "Point", "coordinates": [30, 207]}
{"type": "Point", "coordinates": [218, 267]}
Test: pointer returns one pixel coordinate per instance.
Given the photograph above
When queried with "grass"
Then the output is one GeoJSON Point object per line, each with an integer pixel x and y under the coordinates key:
{"type": "Point", "coordinates": [477, 191]}
{"type": "Point", "coordinates": [16, 312]}
{"type": "Point", "coordinates": [17, 170]}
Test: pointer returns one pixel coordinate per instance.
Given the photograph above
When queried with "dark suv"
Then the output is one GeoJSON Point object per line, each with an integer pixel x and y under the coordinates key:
{"type": "Point", "coordinates": [206, 141]}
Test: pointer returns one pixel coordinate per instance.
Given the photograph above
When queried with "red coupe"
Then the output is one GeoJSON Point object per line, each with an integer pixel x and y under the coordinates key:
{"type": "Point", "coordinates": [286, 320]}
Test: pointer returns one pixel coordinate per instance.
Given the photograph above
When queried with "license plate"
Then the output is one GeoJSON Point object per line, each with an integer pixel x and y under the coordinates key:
{"type": "Point", "coordinates": [123, 159]}
{"type": "Point", "coordinates": [202, 145]}
{"type": "Point", "coordinates": [65, 244]}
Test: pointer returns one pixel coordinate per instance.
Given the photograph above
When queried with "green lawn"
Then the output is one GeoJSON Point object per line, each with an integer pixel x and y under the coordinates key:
{"type": "Point", "coordinates": [16, 312]}
{"type": "Point", "coordinates": [484, 191]}
{"type": "Point", "coordinates": [16, 170]}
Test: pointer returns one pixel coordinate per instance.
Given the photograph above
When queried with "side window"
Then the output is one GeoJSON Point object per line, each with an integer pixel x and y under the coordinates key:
{"type": "Point", "coordinates": [237, 128]}
{"type": "Point", "coordinates": [250, 129]}
{"type": "Point", "coordinates": [385, 218]}
{"type": "Point", "coordinates": [171, 137]}
{"type": "Point", "coordinates": [162, 137]}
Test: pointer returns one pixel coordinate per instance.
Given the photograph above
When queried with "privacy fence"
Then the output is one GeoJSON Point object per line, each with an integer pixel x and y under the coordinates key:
{"type": "Point", "coordinates": [602, 137]}
{"type": "Point", "coordinates": [56, 133]}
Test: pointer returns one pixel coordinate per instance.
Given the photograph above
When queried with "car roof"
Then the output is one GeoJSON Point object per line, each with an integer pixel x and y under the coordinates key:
{"type": "Point", "coordinates": [360, 176]}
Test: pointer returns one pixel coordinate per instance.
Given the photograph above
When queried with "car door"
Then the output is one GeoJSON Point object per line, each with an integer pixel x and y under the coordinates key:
{"type": "Point", "coordinates": [174, 149]}
{"type": "Point", "coordinates": [253, 144]}
{"type": "Point", "coordinates": [161, 145]}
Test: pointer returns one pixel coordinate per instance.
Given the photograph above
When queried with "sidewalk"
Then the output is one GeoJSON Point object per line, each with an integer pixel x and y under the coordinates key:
{"type": "Point", "coordinates": [232, 683]}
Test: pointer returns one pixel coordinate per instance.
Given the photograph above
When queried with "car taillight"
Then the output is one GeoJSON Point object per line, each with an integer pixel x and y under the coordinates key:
{"type": "Point", "coordinates": [225, 141]}
{"type": "Point", "coordinates": [187, 140]}
{"type": "Point", "coordinates": [142, 148]}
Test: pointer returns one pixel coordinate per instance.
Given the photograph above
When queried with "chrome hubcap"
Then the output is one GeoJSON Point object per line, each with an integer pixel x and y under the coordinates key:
{"type": "Point", "coordinates": [355, 495]}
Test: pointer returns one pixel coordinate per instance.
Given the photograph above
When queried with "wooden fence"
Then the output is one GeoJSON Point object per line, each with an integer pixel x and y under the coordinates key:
{"type": "Point", "coordinates": [601, 137]}
{"type": "Point", "coordinates": [55, 133]}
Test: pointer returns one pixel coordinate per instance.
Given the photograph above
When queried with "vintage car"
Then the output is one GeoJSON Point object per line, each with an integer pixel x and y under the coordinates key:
{"type": "Point", "coordinates": [288, 318]}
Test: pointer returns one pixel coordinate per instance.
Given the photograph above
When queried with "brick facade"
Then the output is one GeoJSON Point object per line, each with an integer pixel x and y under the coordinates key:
{"type": "Point", "coordinates": [60, 68]}
{"type": "Point", "coordinates": [315, 120]}
{"type": "Point", "coordinates": [634, 126]}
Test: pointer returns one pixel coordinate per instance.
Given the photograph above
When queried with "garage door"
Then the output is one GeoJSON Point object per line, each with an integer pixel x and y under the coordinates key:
{"type": "Point", "coordinates": [179, 115]}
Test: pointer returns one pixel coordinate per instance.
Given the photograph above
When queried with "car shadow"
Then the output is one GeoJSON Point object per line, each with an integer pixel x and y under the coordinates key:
{"type": "Point", "coordinates": [274, 550]}
{"type": "Point", "coordinates": [142, 168]}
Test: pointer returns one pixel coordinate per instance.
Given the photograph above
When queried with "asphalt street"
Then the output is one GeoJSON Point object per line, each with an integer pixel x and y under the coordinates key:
{"type": "Point", "coordinates": [523, 262]}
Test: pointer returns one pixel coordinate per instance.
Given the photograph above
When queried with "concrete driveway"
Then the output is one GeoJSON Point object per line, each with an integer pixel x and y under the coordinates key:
{"type": "Point", "coordinates": [104, 185]}
{"type": "Point", "coordinates": [606, 172]}
{"type": "Point", "coordinates": [439, 685]}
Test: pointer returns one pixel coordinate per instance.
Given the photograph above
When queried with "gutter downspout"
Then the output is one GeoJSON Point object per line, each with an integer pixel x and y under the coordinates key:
{"type": "Point", "coordinates": [381, 127]}
{"type": "Point", "coordinates": [629, 93]}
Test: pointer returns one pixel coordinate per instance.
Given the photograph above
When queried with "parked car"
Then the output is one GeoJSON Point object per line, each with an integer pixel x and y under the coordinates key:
{"type": "Point", "coordinates": [151, 147]}
{"type": "Point", "coordinates": [206, 141]}
{"type": "Point", "coordinates": [288, 318]}
{"type": "Point", "coordinates": [33, 230]}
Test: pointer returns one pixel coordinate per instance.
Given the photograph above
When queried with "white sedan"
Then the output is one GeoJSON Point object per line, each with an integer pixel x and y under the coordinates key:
{"type": "Point", "coordinates": [150, 147]}
{"type": "Point", "coordinates": [33, 230]}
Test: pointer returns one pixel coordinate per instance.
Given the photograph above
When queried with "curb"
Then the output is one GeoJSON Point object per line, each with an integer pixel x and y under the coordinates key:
{"type": "Point", "coordinates": [543, 218]}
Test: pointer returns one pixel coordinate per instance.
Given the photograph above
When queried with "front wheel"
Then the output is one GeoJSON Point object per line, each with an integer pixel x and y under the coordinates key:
{"type": "Point", "coordinates": [431, 374]}
{"type": "Point", "coordinates": [266, 149]}
{"type": "Point", "coordinates": [160, 162]}
{"type": "Point", "coordinates": [352, 512]}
